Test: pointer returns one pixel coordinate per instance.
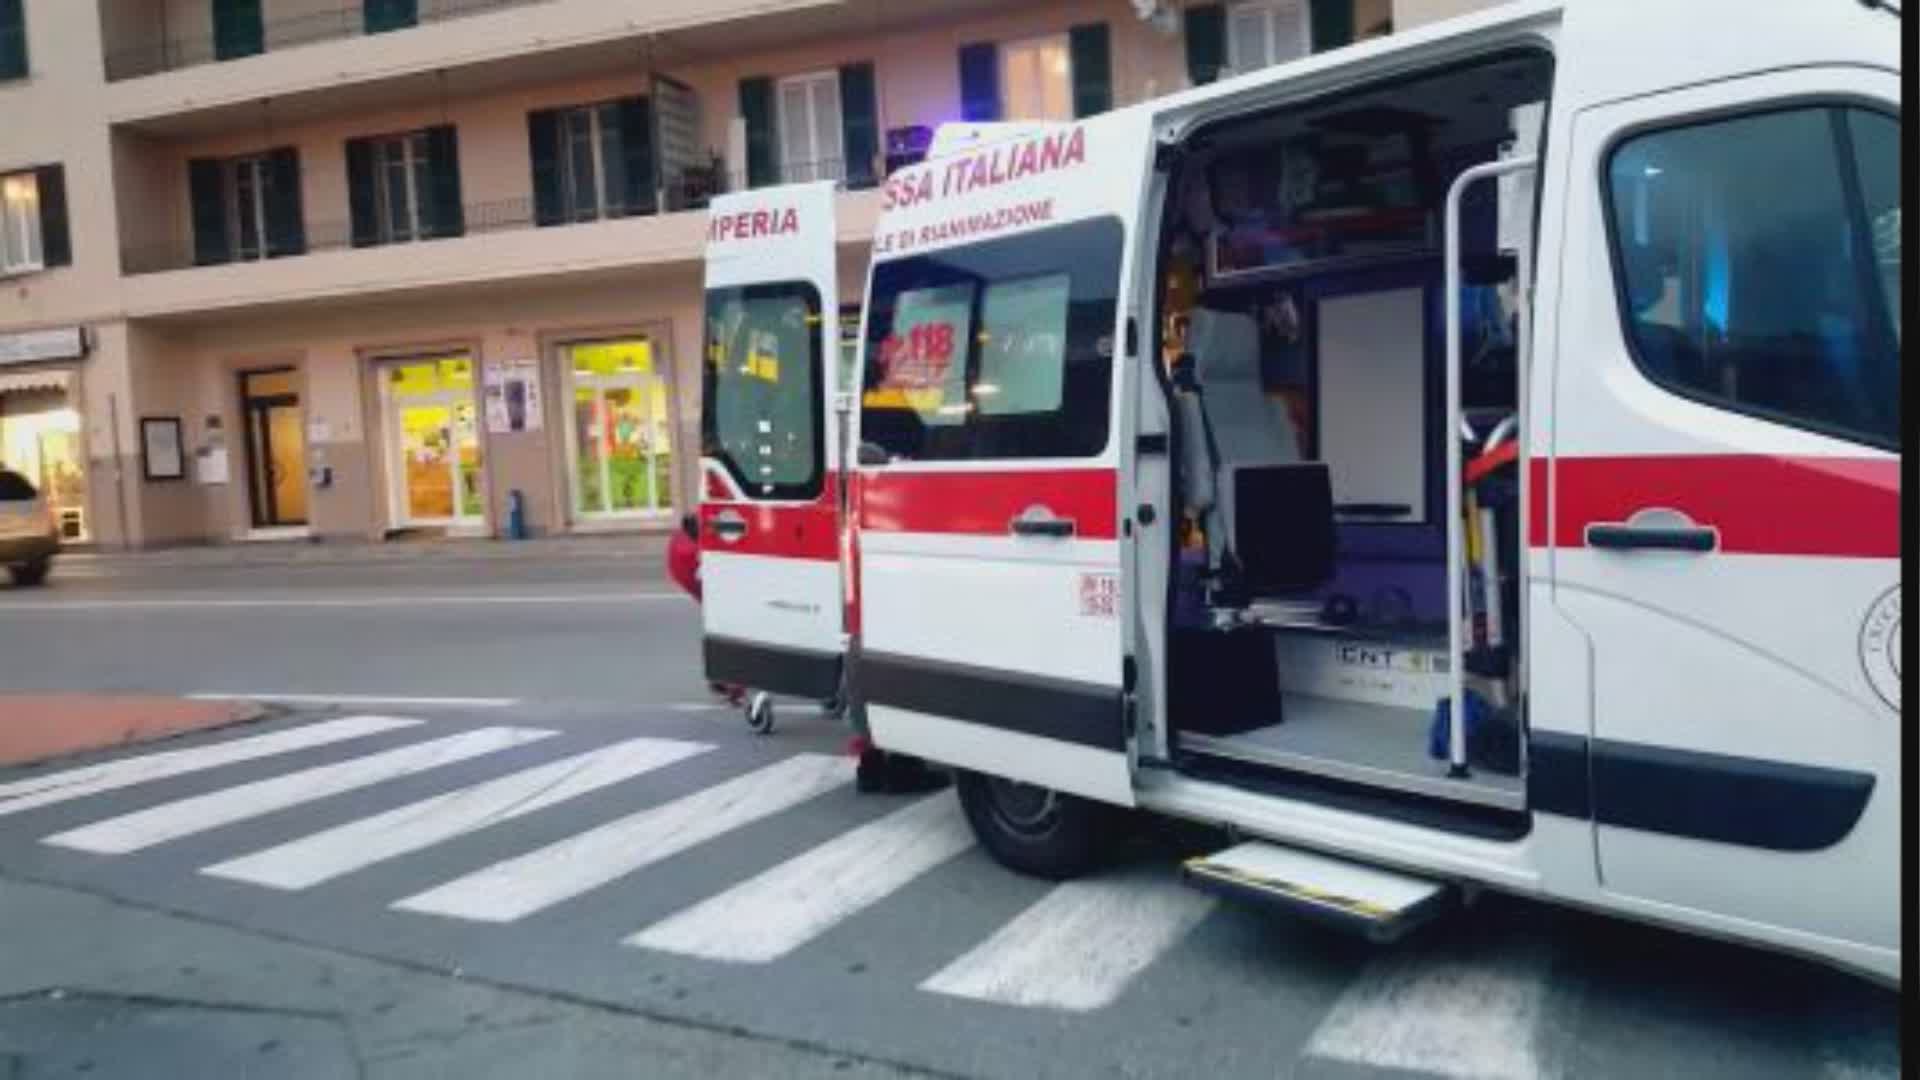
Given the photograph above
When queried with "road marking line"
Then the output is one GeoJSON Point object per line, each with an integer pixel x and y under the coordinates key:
{"type": "Point", "coordinates": [1455, 1015]}
{"type": "Point", "coordinates": [198, 813]}
{"type": "Point", "coordinates": [35, 791]}
{"type": "Point", "coordinates": [427, 600]}
{"type": "Point", "coordinates": [356, 845]}
{"type": "Point", "coordinates": [770, 915]}
{"type": "Point", "coordinates": [1077, 947]}
{"type": "Point", "coordinates": [585, 861]}
{"type": "Point", "coordinates": [356, 700]}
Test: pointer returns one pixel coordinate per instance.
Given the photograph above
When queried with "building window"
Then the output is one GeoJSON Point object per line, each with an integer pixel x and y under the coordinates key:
{"type": "Point", "coordinates": [238, 29]}
{"type": "Point", "coordinates": [1036, 80]}
{"type": "Point", "coordinates": [404, 181]}
{"type": "Point", "coordinates": [21, 249]}
{"type": "Point", "coordinates": [809, 128]}
{"type": "Point", "coordinates": [1759, 265]}
{"type": "Point", "coordinates": [13, 40]}
{"type": "Point", "coordinates": [593, 161]}
{"type": "Point", "coordinates": [1265, 32]}
{"type": "Point", "coordinates": [405, 187]}
{"type": "Point", "coordinates": [246, 207]}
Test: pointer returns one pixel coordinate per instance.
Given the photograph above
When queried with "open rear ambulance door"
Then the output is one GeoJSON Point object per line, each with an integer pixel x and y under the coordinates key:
{"type": "Point", "coordinates": [769, 548]}
{"type": "Point", "coordinates": [990, 449]}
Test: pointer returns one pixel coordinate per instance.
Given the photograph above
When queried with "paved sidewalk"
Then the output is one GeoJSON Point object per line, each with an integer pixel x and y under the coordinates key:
{"type": "Point", "coordinates": [94, 987]}
{"type": "Point", "coordinates": [35, 727]}
{"type": "Point", "coordinates": [639, 546]}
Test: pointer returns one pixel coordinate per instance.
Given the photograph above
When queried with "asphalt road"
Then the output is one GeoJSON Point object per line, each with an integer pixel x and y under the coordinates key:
{"type": "Point", "coordinates": [601, 834]}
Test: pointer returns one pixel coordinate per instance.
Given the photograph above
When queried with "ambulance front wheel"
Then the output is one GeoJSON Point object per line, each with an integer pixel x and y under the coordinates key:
{"type": "Point", "coordinates": [760, 713]}
{"type": "Point", "coordinates": [1036, 830]}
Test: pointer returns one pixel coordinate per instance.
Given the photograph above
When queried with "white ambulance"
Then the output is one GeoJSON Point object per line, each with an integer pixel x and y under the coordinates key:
{"type": "Point", "coordinates": [1467, 459]}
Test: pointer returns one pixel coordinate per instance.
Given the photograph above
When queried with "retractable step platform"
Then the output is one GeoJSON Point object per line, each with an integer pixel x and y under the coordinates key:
{"type": "Point", "coordinates": [1379, 904]}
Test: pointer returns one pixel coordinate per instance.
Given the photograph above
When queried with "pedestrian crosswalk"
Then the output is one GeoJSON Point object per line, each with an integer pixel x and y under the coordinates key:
{"type": "Point", "coordinates": [597, 818]}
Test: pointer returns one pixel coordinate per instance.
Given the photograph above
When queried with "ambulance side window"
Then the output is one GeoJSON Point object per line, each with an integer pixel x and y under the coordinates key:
{"type": "Point", "coordinates": [762, 371]}
{"type": "Point", "coordinates": [1759, 263]}
{"type": "Point", "coordinates": [1001, 349]}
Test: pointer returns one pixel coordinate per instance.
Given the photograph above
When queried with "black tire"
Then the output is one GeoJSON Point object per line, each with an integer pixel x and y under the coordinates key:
{"type": "Point", "coordinates": [33, 573]}
{"type": "Point", "coordinates": [1036, 830]}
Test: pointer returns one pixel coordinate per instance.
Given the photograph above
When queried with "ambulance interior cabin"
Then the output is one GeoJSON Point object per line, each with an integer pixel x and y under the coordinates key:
{"type": "Point", "coordinates": [1302, 328]}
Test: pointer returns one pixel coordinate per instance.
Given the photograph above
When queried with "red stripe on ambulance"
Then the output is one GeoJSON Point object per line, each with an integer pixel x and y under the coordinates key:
{"type": "Point", "coordinates": [782, 530]}
{"type": "Point", "coordinates": [1761, 504]}
{"type": "Point", "coordinates": [985, 503]}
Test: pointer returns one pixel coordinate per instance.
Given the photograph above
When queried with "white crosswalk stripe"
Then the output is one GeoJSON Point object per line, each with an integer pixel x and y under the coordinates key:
{"type": "Point", "coordinates": [1455, 1014]}
{"type": "Point", "coordinates": [585, 861]}
{"type": "Point", "coordinates": [310, 860]}
{"type": "Point", "coordinates": [48, 788]}
{"type": "Point", "coordinates": [789, 905]}
{"type": "Point", "coordinates": [1077, 947]}
{"type": "Point", "coordinates": [184, 817]}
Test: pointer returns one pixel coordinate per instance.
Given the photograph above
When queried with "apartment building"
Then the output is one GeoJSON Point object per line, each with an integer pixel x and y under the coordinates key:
{"type": "Point", "coordinates": [356, 268]}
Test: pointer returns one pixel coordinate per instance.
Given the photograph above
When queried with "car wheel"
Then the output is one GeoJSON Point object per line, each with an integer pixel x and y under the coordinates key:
{"type": "Point", "coordinates": [31, 573]}
{"type": "Point", "coordinates": [1037, 830]}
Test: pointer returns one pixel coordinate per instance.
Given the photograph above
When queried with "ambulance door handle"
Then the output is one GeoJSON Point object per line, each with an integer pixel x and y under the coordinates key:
{"type": "Point", "coordinates": [728, 525]}
{"type": "Point", "coordinates": [1040, 521]}
{"type": "Point", "coordinates": [1653, 530]}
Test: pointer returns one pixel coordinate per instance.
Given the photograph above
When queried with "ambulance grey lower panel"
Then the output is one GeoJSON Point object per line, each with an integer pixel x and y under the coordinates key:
{"type": "Point", "coordinates": [776, 669]}
{"type": "Point", "coordinates": [1753, 802]}
{"type": "Point", "coordinates": [1085, 714]}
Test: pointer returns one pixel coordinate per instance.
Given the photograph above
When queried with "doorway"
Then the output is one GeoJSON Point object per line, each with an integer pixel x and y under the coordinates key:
{"type": "Point", "coordinates": [275, 424]}
{"type": "Point", "coordinates": [432, 442]}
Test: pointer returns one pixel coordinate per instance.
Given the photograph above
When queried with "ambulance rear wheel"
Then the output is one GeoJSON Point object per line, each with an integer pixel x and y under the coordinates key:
{"type": "Point", "coordinates": [1035, 830]}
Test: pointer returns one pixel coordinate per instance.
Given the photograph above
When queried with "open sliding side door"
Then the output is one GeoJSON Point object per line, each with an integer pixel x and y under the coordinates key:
{"type": "Point", "coordinates": [990, 448]}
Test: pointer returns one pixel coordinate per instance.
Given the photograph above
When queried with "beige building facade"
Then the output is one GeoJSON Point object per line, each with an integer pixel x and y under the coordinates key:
{"type": "Point", "coordinates": [286, 268]}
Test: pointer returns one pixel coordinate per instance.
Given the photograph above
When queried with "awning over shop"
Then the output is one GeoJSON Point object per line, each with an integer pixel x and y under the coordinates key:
{"type": "Point", "coordinates": [18, 382]}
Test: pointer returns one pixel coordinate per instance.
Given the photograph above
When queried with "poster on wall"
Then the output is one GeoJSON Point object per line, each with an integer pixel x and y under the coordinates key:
{"type": "Point", "coordinates": [160, 452]}
{"type": "Point", "coordinates": [513, 397]}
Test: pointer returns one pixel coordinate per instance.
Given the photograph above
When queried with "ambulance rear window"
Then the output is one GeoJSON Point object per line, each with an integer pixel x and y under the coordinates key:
{"type": "Point", "coordinates": [762, 414]}
{"type": "Point", "coordinates": [1001, 349]}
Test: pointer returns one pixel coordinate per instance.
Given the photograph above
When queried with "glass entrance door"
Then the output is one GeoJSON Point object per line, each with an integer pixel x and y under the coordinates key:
{"type": "Point", "coordinates": [433, 441]}
{"type": "Point", "coordinates": [620, 430]}
{"type": "Point", "coordinates": [276, 447]}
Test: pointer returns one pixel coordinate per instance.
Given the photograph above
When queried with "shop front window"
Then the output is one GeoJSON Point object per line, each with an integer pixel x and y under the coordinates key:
{"type": "Point", "coordinates": [621, 437]}
{"type": "Point", "coordinates": [40, 439]}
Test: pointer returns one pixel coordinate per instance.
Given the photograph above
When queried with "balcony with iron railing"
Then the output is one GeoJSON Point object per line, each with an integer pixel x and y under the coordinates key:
{"type": "Point", "coordinates": [690, 190]}
{"type": "Point", "coordinates": [517, 238]}
{"type": "Point", "coordinates": [176, 48]}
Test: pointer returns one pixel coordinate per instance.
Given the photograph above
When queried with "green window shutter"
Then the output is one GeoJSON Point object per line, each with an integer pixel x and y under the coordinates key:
{"type": "Point", "coordinates": [237, 29]}
{"type": "Point", "coordinates": [640, 188]}
{"type": "Point", "coordinates": [1332, 24]}
{"type": "Point", "coordinates": [446, 216]}
{"type": "Point", "coordinates": [56, 243]}
{"type": "Point", "coordinates": [363, 199]}
{"type": "Point", "coordinates": [286, 227]}
{"type": "Point", "coordinates": [980, 81]}
{"type": "Point", "coordinates": [13, 40]}
{"type": "Point", "coordinates": [207, 184]}
{"type": "Point", "coordinates": [1092, 62]}
{"type": "Point", "coordinates": [543, 148]}
{"type": "Point", "coordinates": [1206, 33]}
{"type": "Point", "coordinates": [859, 125]}
{"type": "Point", "coordinates": [756, 109]}
{"type": "Point", "coordinates": [384, 15]}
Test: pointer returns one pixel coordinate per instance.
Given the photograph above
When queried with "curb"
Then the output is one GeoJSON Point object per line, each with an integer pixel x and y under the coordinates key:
{"type": "Point", "coordinates": [36, 729]}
